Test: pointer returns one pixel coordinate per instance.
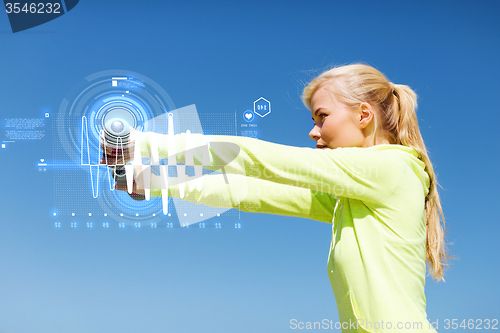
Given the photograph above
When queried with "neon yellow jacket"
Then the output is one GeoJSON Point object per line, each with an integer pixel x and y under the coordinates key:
{"type": "Point", "coordinates": [375, 197]}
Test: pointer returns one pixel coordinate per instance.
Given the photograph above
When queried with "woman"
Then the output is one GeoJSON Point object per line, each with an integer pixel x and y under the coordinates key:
{"type": "Point", "coordinates": [371, 174]}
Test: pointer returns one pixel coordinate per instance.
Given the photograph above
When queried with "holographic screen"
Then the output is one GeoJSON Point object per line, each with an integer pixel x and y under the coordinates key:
{"type": "Point", "coordinates": [84, 188]}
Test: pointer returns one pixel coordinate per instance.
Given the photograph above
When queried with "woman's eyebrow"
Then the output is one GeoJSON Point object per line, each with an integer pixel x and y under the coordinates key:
{"type": "Point", "coordinates": [317, 110]}
{"type": "Point", "coordinates": [315, 113]}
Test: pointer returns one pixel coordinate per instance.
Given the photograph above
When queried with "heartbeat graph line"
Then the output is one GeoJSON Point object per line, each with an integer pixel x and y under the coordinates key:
{"type": "Point", "coordinates": [135, 167]}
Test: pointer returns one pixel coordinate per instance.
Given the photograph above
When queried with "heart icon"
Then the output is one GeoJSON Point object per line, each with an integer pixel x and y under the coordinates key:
{"type": "Point", "coordinates": [41, 160]}
{"type": "Point", "coordinates": [248, 115]}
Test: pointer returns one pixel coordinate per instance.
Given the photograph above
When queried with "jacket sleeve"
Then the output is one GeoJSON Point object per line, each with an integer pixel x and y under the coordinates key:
{"type": "Point", "coordinates": [358, 173]}
{"type": "Point", "coordinates": [254, 195]}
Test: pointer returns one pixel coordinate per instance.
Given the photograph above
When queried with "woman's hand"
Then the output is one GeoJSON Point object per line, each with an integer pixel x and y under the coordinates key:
{"type": "Point", "coordinates": [118, 154]}
{"type": "Point", "coordinates": [137, 189]}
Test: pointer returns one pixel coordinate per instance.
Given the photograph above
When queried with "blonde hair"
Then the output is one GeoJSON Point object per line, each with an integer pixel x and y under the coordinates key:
{"type": "Point", "coordinates": [396, 107]}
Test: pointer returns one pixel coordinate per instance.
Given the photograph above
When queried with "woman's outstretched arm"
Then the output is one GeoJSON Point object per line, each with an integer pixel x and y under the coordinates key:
{"type": "Point", "coordinates": [252, 195]}
{"type": "Point", "coordinates": [360, 173]}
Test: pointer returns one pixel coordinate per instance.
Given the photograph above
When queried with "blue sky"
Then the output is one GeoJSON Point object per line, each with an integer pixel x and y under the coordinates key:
{"type": "Point", "coordinates": [221, 56]}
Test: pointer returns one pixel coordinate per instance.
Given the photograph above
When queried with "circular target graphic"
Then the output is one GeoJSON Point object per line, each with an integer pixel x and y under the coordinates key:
{"type": "Point", "coordinates": [103, 96]}
{"type": "Point", "coordinates": [100, 98]}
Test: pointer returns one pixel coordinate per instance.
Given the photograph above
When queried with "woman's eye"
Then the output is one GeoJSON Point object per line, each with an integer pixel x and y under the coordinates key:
{"type": "Point", "coordinates": [321, 117]}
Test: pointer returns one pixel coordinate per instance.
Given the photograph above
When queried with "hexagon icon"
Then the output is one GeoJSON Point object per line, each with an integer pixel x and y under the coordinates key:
{"type": "Point", "coordinates": [262, 107]}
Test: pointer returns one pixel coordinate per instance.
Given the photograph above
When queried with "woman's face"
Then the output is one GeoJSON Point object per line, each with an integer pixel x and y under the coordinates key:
{"type": "Point", "coordinates": [334, 124]}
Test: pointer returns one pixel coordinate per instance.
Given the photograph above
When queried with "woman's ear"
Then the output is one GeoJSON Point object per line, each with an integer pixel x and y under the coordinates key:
{"type": "Point", "coordinates": [366, 115]}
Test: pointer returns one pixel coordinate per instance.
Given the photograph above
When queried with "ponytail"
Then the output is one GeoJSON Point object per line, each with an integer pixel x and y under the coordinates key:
{"type": "Point", "coordinates": [408, 134]}
{"type": "Point", "coordinates": [397, 104]}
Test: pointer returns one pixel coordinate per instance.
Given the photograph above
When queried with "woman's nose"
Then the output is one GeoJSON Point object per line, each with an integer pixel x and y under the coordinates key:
{"type": "Point", "coordinates": [315, 133]}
